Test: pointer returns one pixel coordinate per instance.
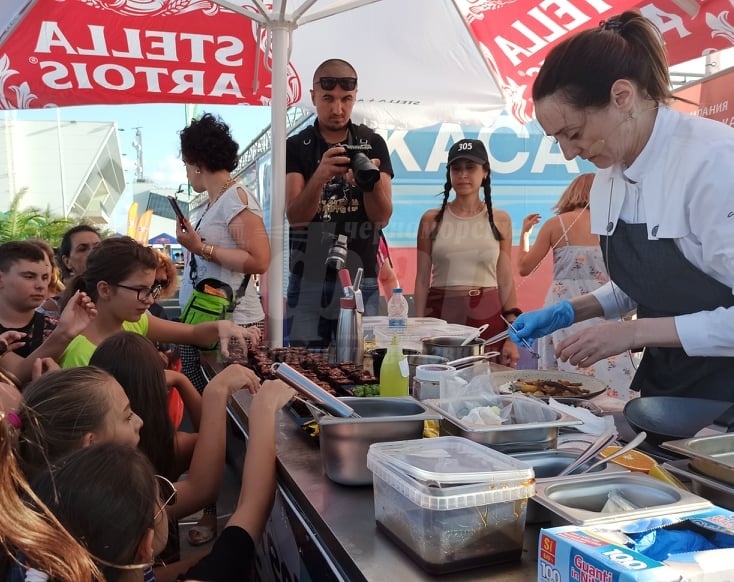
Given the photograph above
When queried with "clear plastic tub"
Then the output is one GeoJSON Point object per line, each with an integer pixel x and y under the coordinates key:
{"type": "Point", "coordinates": [449, 503]}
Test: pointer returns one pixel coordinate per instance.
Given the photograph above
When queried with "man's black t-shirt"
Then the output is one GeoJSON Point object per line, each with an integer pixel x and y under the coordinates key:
{"type": "Point", "coordinates": [341, 210]}
{"type": "Point", "coordinates": [36, 330]}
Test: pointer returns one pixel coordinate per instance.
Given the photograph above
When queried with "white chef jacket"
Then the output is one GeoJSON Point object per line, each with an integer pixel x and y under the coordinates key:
{"type": "Point", "coordinates": [682, 186]}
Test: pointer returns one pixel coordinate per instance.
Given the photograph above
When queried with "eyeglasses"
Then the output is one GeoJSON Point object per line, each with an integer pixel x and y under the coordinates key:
{"type": "Point", "coordinates": [346, 83]}
{"type": "Point", "coordinates": [143, 293]}
{"type": "Point", "coordinates": [162, 283]}
{"type": "Point", "coordinates": [167, 494]}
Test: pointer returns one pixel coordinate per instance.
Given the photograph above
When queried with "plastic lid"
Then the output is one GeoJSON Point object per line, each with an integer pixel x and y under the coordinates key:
{"type": "Point", "coordinates": [397, 290]}
{"type": "Point", "coordinates": [450, 460]}
{"type": "Point", "coordinates": [453, 497]}
{"type": "Point", "coordinates": [432, 372]}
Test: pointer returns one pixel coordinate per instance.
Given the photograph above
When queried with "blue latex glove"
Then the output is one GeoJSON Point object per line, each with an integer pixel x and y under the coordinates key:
{"type": "Point", "coordinates": [534, 324]}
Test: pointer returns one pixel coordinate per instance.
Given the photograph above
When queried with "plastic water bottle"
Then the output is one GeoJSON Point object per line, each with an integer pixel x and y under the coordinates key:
{"type": "Point", "coordinates": [397, 312]}
{"type": "Point", "coordinates": [394, 371]}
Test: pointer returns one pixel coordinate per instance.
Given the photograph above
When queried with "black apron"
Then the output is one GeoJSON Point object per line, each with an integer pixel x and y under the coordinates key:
{"type": "Point", "coordinates": [663, 283]}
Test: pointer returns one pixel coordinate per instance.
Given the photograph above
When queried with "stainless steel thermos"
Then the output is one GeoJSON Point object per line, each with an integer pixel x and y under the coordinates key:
{"type": "Point", "coordinates": [349, 338]}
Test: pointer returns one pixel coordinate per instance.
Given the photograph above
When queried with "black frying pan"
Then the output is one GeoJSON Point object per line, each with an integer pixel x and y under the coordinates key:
{"type": "Point", "coordinates": [668, 418]}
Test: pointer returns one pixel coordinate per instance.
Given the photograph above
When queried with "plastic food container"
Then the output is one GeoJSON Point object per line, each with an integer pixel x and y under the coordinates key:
{"type": "Point", "coordinates": [449, 503]}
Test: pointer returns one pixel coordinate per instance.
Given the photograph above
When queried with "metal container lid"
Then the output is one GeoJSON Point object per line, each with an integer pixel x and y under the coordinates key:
{"type": "Point", "coordinates": [432, 372]}
{"type": "Point", "coordinates": [450, 460]}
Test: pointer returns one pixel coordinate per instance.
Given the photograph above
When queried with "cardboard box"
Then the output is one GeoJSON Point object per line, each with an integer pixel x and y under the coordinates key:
{"type": "Point", "coordinates": [599, 554]}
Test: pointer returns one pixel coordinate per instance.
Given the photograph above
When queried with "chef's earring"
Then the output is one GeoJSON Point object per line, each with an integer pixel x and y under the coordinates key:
{"type": "Point", "coordinates": [197, 171]}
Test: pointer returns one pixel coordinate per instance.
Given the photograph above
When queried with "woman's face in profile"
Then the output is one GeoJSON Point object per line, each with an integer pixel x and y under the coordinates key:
{"type": "Point", "coordinates": [596, 135]}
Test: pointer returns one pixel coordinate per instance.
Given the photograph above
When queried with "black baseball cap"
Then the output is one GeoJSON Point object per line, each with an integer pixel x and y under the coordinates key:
{"type": "Point", "coordinates": [469, 149]}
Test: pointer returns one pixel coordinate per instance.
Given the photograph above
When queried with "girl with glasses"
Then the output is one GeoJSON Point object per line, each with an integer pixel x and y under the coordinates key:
{"type": "Point", "coordinates": [120, 279]}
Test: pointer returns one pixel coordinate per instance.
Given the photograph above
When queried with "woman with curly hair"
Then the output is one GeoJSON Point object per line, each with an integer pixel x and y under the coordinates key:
{"type": "Point", "coordinates": [229, 239]}
{"type": "Point", "coordinates": [228, 243]}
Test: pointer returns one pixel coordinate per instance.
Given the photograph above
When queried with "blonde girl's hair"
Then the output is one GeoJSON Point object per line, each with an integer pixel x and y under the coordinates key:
{"type": "Point", "coordinates": [33, 531]}
{"type": "Point", "coordinates": [55, 285]}
{"type": "Point", "coordinates": [165, 261]}
{"type": "Point", "coordinates": [576, 195]}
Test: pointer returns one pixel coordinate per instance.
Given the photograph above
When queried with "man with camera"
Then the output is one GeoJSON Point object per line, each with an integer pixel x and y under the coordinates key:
{"type": "Point", "coordinates": [338, 198]}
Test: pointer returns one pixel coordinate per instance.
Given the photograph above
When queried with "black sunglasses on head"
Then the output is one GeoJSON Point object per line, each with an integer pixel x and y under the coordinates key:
{"type": "Point", "coordinates": [346, 83]}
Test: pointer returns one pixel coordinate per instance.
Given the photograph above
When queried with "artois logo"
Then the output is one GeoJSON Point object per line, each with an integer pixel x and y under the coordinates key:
{"type": "Point", "coordinates": [130, 51]}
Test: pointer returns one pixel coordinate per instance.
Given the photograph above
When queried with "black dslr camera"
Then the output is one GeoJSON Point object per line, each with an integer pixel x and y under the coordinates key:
{"type": "Point", "coordinates": [366, 174]}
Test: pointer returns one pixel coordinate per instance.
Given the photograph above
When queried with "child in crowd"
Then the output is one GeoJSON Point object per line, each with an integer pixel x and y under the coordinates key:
{"type": "Point", "coordinates": [120, 279]}
{"type": "Point", "coordinates": [108, 496]}
{"type": "Point", "coordinates": [172, 453]}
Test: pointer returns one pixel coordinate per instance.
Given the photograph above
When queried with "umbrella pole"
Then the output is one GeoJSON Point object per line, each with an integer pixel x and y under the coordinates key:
{"type": "Point", "coordinates": [278, 106]}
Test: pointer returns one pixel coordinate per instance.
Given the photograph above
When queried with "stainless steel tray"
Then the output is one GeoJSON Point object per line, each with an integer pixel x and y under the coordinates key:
{"type": "Point", "coordinates": [711, 455]}
{"type": "Point", "coordinates": [579, 499]}
{"type": "Point", "coordinates": [344, 442]}
{"type": "Point", "coordinates": [511, 437]}
{"type": "Point", "coordinates": [546, 465]}
{"type": "Point", "coordinates": [717, 493]}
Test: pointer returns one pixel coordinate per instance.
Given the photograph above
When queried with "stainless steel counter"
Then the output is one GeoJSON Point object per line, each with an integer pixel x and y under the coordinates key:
{"type": "Point", "coordinates": [342, 518]}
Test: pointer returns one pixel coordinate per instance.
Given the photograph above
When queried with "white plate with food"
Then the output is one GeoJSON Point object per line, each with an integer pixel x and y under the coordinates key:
{"type": "Point", "coordinates": [548, 383]}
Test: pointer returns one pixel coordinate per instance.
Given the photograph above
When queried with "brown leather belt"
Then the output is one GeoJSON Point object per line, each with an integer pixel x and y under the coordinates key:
{"type": "Point", "coordinates": [467, 292]}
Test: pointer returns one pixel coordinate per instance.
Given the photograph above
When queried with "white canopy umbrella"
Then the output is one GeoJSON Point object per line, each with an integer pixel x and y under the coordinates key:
{"type": "Point", "coordinates": [420, 62]}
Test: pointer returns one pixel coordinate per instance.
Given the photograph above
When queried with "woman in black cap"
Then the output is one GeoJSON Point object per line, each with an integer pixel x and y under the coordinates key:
{"type": "Point", "coordinates": [464, 267]}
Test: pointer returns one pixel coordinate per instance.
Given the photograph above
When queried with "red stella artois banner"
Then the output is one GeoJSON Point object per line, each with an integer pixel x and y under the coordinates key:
{"type": "Point", "coordinates": [82, 52]}
{"type": "Point", "coordinates": [71, 52]}
{"type": "Point", "coordinates": [516, 35]}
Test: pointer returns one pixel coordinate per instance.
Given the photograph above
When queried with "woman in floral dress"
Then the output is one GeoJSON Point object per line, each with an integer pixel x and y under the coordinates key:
{"type": "Point", "coordinates": [578, 268]}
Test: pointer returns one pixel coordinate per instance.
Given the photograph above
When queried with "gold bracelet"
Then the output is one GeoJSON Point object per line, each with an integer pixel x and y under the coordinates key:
{"type": "Point", "coordinates": [207, 252]}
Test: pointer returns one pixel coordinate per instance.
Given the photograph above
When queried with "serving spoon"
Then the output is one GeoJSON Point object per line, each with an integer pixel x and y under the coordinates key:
{"type": "Point", "coordinates": [633, 444]}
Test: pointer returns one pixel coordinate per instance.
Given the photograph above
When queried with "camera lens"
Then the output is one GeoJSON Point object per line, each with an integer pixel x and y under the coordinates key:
{"type": "Point", "coordinates": [366, 174]}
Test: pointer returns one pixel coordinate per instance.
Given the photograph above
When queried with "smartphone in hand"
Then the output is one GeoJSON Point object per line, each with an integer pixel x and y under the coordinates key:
{"type": "Point", "coordinates": [179, 214]}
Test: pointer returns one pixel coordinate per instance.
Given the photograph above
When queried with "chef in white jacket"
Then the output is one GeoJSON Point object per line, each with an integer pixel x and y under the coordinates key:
{"type": "Point", "coordinates": [662, 203]}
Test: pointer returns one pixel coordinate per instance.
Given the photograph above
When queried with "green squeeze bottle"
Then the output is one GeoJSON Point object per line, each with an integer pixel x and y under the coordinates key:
{"type": "Point", "coordinates": [394, 371]}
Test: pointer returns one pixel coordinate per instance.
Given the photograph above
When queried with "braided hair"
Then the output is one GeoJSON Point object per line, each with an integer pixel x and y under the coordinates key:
{"type": "Point", "coordinates": [486, 186]}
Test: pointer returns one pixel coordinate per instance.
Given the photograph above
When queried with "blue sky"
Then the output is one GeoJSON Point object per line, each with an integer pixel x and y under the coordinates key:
{"type": "Point", "coordinates": [160, 124]}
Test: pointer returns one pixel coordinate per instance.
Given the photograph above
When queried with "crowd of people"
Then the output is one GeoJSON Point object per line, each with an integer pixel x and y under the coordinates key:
{"type": "Point", "coordinates": [92, 481]}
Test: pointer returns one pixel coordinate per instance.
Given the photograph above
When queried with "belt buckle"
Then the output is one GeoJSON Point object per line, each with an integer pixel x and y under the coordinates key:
{"type": "Point", "coordinates": [474, 292]}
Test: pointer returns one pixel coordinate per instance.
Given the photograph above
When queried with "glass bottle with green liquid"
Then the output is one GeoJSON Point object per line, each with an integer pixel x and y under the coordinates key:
{"type": "Point", "coordinates": [394, 371]}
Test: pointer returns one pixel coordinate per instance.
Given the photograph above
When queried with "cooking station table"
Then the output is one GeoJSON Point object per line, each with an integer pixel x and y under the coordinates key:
{"type": "Point", "coordinates": [320, 530]}
{"type": "Point", "coordinates": [338, 522]}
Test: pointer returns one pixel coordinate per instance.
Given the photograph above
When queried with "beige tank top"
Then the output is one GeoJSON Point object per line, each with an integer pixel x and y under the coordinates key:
{"type": "Point", "coordinates": [465, 252]}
